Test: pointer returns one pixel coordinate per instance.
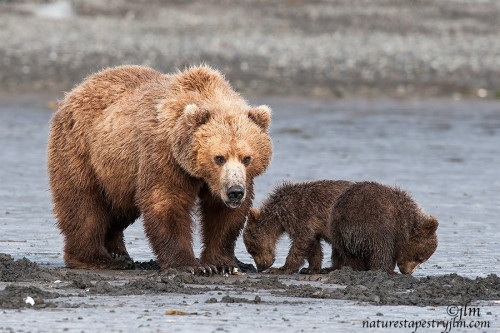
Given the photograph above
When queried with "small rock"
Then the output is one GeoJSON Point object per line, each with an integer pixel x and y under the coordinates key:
{"type": "Point", "coordinates": [29, 300]}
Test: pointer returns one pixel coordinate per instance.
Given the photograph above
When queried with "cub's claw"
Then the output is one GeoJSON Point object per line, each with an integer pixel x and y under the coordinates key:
{"type": "Point", "coordinates": [309, 271]}
{"type": "Point", "coordinates": [326, 270]}
{"type": "Point", "coordinates": [278, 271]}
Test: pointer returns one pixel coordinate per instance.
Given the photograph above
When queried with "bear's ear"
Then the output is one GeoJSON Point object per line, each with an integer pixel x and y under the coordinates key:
{"type": "Point", "coordinates": [194, 116]}
{"type": "Point", "coordinates": [261, 115]}
{"type": "Point", "coordinates": [430, 226]}
{"type": "Point", "coordinates": [253, 215]}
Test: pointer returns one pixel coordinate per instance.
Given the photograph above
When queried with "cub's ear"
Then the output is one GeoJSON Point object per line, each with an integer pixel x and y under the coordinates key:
{"type": "Point", "coordinates": [253, 215]}
{"type": "Point", "coordinates": [430, 226]}
{"type": "Point", "coordinates": [261, 115]}
{"type": "Point", "coordinates": [194, 116]}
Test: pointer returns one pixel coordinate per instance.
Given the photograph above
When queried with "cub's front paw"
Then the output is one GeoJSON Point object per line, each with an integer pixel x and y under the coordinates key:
{"type": "Point", "coordinates": [310, 271]}
{"type": "Point", "coordinates": [279, 271]}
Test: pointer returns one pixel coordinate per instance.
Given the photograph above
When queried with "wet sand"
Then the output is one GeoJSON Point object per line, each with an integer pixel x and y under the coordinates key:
{"type": "Point", "coordinates": [373, 287]}
{"type": "Point", "coordinates": [444, 153]}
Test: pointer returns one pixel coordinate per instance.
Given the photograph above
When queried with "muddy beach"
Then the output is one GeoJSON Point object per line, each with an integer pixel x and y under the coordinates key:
{"type": "Point", "coordinates": [373, 287]}
{"type": "Point", "coordinates": [441, 151]}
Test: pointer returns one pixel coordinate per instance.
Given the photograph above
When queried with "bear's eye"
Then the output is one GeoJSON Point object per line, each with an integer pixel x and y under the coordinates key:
{"type": "Point", "coordinates": [246, 160]}
{"type": "Point", "coordinates": [219, 160]}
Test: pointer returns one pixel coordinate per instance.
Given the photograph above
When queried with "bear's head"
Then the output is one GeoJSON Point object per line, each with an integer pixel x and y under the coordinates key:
{"type": "Point", "coordinates": [260, 244]}
{"type": "Point", "coordinates": [230, 149]}
{"type": "Point", "coordinates": [214, 134]}
{"type": "Point", "coordinates": [421, 245]}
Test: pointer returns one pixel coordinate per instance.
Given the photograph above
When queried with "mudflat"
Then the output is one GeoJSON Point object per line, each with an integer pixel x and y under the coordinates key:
{"type": "Point", "coordinates": [442, 151]}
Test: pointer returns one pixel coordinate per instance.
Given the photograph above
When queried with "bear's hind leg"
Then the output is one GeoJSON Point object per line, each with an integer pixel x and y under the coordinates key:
{"type": "Point", "coordinates": [295, 259]}
{"type": "Point", "coordinates": [83, 221]}
{"type": "Point", "coordinates": [314, 258]}
{"type": "Point", "coordinates": [338, 258]}
{"type": "Point", "coordinates": [382, 259]}
{"type": "Point", "coordinates": [114, 241]}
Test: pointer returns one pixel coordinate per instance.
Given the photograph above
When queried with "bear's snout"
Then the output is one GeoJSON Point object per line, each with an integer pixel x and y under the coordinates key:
{"type": "Point", "coordinates": [233, 178]}
{"type": "Point", "coordinates": [408, 267]}
{"type": "Point", "coordinates": [235, 193]}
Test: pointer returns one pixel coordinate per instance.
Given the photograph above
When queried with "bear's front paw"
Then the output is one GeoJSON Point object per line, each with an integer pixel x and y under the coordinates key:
{"type": "Point", "coordinates": [199, 269]}
{"type": "Point", "coordinates": [225, 268]}
{"type": "Point", "coordinates": [224, 265]}
{"type": "Point", "coordinates": [229, 269]}
{"type": "Point", "coordinates": [122, 257]}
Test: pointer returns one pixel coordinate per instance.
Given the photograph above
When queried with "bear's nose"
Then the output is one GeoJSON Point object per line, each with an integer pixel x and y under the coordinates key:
{"type": "Point", "coordinates": [235, 193]}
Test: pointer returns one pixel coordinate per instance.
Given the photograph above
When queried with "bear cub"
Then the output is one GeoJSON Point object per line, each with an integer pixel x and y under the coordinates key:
{"type": "Point", "coordinates": [302, 211]}
{"type": "Point", "coordinates": [375, 227]}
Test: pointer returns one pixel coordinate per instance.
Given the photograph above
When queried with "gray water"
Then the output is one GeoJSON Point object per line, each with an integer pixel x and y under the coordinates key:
{"type": "Point", "coordinates": [445, 153]}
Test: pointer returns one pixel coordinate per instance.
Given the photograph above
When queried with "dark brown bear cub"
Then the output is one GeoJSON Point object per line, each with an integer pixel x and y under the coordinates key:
{"type": "Point", "coordinates": [303, 212]}
{"type": "Point", "coordinates": [374, 226]}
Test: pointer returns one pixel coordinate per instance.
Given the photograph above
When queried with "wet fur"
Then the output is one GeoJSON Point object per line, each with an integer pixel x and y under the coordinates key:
{"type": "Point", "coordinates": [375, 227]}
{"type": "Point", "coordinates": [123, 144]}
{"type": "Point", "coordinates": [303, 212]}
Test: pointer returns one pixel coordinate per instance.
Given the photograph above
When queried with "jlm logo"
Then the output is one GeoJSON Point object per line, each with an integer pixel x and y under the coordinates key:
{"type": "Point", "coordinates": [459, 312]}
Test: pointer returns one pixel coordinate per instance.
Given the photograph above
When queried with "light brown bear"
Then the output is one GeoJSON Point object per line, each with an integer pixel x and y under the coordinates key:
{"type": "Point", "coordinates": [375, 227]}
{"type": "Point", "coordinates": [131, 141]}
{"type": "Point", "coordinates": [301, 210]}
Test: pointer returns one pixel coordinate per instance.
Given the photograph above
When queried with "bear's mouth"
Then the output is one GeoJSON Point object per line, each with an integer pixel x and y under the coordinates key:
{"type": "Point", "coordinates": [233, 204]}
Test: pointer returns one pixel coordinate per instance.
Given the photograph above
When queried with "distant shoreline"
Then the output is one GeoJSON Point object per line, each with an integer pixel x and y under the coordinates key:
{"type": "Point", "coordinates": [329, 49]}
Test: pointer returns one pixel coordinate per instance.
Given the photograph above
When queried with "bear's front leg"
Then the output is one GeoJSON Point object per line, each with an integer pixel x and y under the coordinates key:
{"type": "Point", "coordinates": [314, 257]}
{"type": "Point", "coordinates": [220, 228]}
{"type": "Point", "coordinates": [168, 226]}
{"type": "Point", "coordinates": [295, 259]}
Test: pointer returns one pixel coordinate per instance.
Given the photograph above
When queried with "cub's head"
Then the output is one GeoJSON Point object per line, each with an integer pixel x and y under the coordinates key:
{"type": "Point", "coordinates": [227, 145]}
{"type": "Point", "coordinates": [421, 245]}
{"type": "Point", "coordinates": [259, 243]}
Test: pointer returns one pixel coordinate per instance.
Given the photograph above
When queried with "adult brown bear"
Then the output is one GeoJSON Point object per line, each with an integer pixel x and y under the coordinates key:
{"type": "Point", "coordinates": [131, 141]}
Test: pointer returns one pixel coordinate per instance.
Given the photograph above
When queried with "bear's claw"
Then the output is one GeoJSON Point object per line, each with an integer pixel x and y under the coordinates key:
{"type": "Point", "coordinates": [204, 270]}
{"type": "Point", "coordinates": [223, 269]}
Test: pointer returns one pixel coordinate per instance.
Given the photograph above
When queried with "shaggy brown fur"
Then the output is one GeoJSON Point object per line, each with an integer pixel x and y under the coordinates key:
{"type": "Point", "coordinates": [374, 226]}
{"type": "Point", "coordinates": [131, 141]}
{"type": "Point", "coordinates": [303, 212]}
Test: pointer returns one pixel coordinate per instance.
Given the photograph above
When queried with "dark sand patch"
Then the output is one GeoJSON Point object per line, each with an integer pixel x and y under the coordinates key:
{"type": "Point", "coordinates": [24, 270]}
{"type": "Point", "coordinates": [372, 287]}
{"type": "Point", "coordinates": [378, 287]}
{"type": "Point", "coordinates": [155, 266]}
{"type": "Point", "coordinates": [14, 297]}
